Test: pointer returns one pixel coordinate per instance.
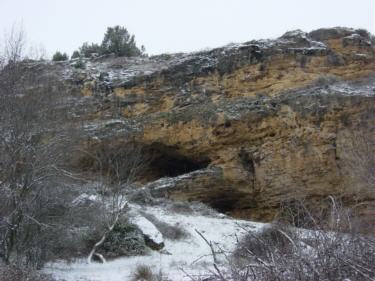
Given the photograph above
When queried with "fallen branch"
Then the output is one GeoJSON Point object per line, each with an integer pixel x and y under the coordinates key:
{"type": "Point", "coordinates": [187, 274]}
{"type": "Point", "coordinates": [209, 243]}
{"type": "Point", "coordinates": [201, 257]}
{"type": "Point", "coordinates": [101, 241]}
{"type": "Point", "coordinates": [218, 272]}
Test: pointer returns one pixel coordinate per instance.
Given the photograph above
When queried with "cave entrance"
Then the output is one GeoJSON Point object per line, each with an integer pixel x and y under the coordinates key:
{"type": "Point", "coordinates": [166, 161]}
{"type": "Point", "coordinates": [223, 204]}
{"type": "Point", "coordinates": [152, 162]}
{"type": "Point", "coordinates": [228, 200]}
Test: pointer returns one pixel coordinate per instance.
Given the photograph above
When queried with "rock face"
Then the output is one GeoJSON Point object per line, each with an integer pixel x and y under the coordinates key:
{"type": "Point", "coordinates": [244, 128]}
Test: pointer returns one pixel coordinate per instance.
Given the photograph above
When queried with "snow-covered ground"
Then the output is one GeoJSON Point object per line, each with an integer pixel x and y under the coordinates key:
{"type": "Point", "coordinates": [191, 255]}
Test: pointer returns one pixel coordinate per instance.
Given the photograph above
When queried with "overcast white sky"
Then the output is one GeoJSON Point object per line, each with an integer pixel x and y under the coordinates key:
{"type": "Point", "coordinates": [178, 25]}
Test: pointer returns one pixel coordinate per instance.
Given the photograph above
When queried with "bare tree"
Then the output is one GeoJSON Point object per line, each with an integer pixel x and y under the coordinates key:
{"type": "Point", "coordinates": [32, 160]}
{"type": "Point", "coordinates": [15, 47]}
{"type": "Point", "coordinates": [15, 43]}
{"type": "Point", "coordinates": [118, 168]}
{"type": "Point", "coordinates": [30, 150]}
{"type": "Point", "coordinates": [37, 52]}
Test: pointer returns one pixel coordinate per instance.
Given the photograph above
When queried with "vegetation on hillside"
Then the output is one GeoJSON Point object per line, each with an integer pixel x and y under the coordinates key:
{"type": "Point", "coordinates": [117, 40]}
{"type": "Point", "coordinates": [58, 56]}
{"type": "Point", "coordinates": [65, 195]}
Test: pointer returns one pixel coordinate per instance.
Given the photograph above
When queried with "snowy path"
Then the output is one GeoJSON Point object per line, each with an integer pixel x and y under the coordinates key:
{"type": "Point", "coordinates": [192, 254]}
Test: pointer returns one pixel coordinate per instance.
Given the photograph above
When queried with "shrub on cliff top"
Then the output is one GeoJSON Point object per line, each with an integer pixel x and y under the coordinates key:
{"type": "Point", "coordinates": [58, 56]}
{"type": "Point", "coordinates": [117, 40]}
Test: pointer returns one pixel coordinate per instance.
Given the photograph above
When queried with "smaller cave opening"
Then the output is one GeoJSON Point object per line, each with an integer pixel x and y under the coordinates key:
{"type": "Point", "coordinates": [223, 204]}
{"type": "Point", "coordinates": [228, 200]}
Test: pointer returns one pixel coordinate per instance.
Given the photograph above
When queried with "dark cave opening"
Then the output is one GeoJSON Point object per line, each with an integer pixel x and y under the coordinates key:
{"type": "Point", "coordinates": [228, 200]}
{"type": "Point", "coordinates": [156, 160]}
{"type": "Point", "coordinates": [223, 204]}
{"type": "Point", "coordinates": [166, 161]}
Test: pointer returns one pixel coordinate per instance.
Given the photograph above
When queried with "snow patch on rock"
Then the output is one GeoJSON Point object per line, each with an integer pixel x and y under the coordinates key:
{"type": "Point", "coordinates": [148, 229]}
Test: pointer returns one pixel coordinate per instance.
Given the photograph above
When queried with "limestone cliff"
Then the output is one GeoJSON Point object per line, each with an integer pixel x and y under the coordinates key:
{"type": "Point", "coordinates": [245, 127]}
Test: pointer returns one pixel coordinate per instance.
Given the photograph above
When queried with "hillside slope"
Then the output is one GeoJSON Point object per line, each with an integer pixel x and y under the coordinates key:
{"type": "Point", "coordinates": [178, 259]}
{"type": "Point", "coordinates": [245, 128]}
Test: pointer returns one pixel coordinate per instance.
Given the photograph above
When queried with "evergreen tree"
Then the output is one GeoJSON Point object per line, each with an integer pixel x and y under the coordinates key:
{"type": "Point", "coordinates": [58, 56]}
{"type": "Point", "coordinates": [76, 54]}
{"type": "Point", "coordinates": [88, 49]}
{"type": "Point", "coordinates": [119, 41]}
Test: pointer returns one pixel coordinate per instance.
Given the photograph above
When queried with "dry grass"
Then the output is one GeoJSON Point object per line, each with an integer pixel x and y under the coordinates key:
{"type": "Point", "coordinates": [144, 273]}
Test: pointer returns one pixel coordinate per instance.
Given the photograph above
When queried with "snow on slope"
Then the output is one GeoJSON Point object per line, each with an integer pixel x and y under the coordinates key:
{"type": "Point", "coordinates": [148, 229]}
{"type": "Point", "coordinates": [192, 254]}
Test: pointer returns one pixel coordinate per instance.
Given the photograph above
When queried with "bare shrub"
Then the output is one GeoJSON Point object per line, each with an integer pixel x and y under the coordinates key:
{"type": "Point", "coordinates": [118, 164]}
{"type": "Point", "coordinates": [13, 273]}
{"type": "Point", "coordinates": [172, 232]}
{"type": "Point", "coordinates": [44, 231]}
{"type": "Point", "coordinates": [317, 256]}
{"type": "Point", "coordinates": [31, 160]}
{"type": "Point", "coordinates": [277, 237]}
{"type": "Point", "coordinates": [116, 168]}
{"type": "Point", "coordinates": [327, 214]}
{"type": "Point", "coordinates": [143, 272]}
{"type": "Point", "coordinates": [332, 250]}
{"type": "Point", "coordinates": [78, 225]}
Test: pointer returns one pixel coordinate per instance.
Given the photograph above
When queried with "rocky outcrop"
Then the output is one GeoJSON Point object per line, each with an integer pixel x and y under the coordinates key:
{"type": "Point", "coordinates": [244, 127]}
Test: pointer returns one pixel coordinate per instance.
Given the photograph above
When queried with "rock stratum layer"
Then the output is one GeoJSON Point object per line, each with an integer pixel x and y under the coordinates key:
{"type": "Point", "coordinates": [244, 128]}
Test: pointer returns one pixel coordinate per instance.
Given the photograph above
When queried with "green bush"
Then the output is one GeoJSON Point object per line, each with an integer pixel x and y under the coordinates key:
{"type": "Point", "coordinates": [58, 56]}
{"type": "Point", "coordinates": [124, 240]}
{"type": "Point", "coordinates": [87, 50]}
{"type": "Point", "coordinates": [117, 40]}
{"type": "Point", "coordinates": [76, 54]}
{"type": "Point", "coordinates": [79, 64]}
